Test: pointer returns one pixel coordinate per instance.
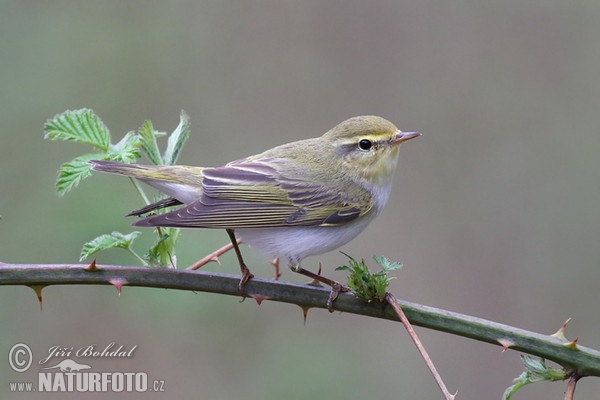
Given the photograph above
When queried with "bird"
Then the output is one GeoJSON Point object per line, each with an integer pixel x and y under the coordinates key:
{"type": "Point", "coordinates": [292, 201]}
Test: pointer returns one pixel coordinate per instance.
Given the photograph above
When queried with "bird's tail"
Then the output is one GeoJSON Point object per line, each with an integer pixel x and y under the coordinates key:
{"type": "Point", "coordinates": [180, 182]}
{"type": "Point", "coordinates": [131, 170]}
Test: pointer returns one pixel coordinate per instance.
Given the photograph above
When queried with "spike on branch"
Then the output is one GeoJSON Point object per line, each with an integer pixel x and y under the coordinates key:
{"type": "Point", "coordinates": [305, 312]}
{"type": "Point", "coordinates": [505, 343]}
{"type": "Point", "coordinates": [118, 283]}
{"type": "Point", "coordinates": [92, 266]}
{"type": "Point", "coordinates": [572, 344]}
{"type": "Point", "coordinates": [275, 264]}
{"type": "Point", "coordinates": [259, 299]}
{"type": "Point", "coordinates": [315, 282]}
{"type": "Point", "coordinates": [560, 333]}
{"type": "Point", "coordinates": [38, 292]}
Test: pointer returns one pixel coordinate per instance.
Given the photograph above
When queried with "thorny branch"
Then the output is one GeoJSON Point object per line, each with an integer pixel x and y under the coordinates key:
{"type": "Point", "coordinates": [578, 360]}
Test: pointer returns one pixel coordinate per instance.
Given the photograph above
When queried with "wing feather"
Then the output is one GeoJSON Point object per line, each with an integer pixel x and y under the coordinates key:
{"type": "Point", "coordinates": [260, 194]}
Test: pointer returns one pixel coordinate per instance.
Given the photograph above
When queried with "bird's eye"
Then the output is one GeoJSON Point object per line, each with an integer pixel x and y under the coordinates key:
{"type": "Point", "coordinates": [365, 144]}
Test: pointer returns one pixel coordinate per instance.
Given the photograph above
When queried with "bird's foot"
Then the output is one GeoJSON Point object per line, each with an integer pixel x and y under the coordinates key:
{"type": "Point", "coordinates": [246, 276]}
{"type": "Point", "coordinates": [317, 279]}
{"type": "Point", "coordinates": [336, 288]}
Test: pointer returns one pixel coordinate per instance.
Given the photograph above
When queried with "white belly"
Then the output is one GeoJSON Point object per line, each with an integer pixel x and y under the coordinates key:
{"type": "Point", "coordinates": [295, 243]}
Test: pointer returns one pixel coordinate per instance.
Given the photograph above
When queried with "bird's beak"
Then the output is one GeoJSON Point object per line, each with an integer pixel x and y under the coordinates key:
{"type": "Point", "coordinates": [400, 137]}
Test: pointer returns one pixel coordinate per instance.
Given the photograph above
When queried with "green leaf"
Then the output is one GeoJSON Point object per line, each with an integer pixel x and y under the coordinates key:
{"type": "Point", "coordinates": [127, 150]}
{"type": "Point", "coordinates": [366, 285]}
{"type": "Point", "coordinates": [106, 241]}
{"type": "Point", "coordinates": [537, 367]}
{"type": "Point", "coordinates": [162, 254]}
{"type": "Point", "coordinates": [148, 142]}
{"type": "Point", "coordinates": [73, 172]}
{"type": "Point", "coordinates": [177, 139]}
{"type": "Point", "coordinates": [518, 383]}
{"type": "Point", "coordinates": [536, 371]}
{"type": "Point", "coordinates": [386, 264]}
{"type": "Point", "coordinates": [82, 126]}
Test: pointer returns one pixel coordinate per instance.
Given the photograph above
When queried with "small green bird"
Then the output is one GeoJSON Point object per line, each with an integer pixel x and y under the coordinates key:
{"type": "Point", "coordinates": [292, 201]}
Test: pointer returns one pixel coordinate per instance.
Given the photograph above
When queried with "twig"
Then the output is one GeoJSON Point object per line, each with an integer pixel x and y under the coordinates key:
{"type": "Point", "coordinates": [570, 392]}
{"type": "Point", "coordinates": [413, 335]}
{"type": "Point", "coordinates": [214, 256]}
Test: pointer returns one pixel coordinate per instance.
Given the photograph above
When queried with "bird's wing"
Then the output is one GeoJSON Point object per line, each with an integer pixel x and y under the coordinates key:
{"type": "Point", "coordinates": [263, 193]}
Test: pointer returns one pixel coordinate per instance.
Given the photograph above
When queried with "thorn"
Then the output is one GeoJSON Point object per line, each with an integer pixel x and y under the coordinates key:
{"type": "Point", "coordinates": [315, 281]}
{"type": "Point", "coordinates": [118, 283]}
{"type": "Point", "coordinates": [38, 292]}
{"type": "Point", "coordinates": [92, 266]}
{"type": "Point", "coordinates": [275, 263]}
{"type": "Point", "coordinates": [572, 344]}
{"type": "Point", "coordinates": [259, 299]}
{"type": "Point", "coordinates": [560, 333]}
{"type": "Point", "coordinates": [505, 343]}
{"type": "Point", "coordinates": [305, 312]}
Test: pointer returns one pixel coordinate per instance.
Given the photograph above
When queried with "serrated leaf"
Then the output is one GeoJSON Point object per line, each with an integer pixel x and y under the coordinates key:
{"type": "Point", "coordinates": [366, 285]}
{"type": "Point", "coordinates": [536, 371]}
{"type": "Point", "coordinates": [386, 264]}
{"type": "Point", "coordinates": [537, 366]}
{"type": "Point", "coordinates": [127, 150]}
{"type": "Point", "coordinates": [162, 254]}
{"type": "Point", "coordinates": [177, 139]}
{"type": "Point", "coordinates": [518, 383]}
{"type": "Point", "coordinates": [106, 241]}
{"type": "Point", "coordinates": [353, 262]}
{"type": "Point", "coordinates": [74, 171]}
{"type": "Point", "coordinates": [148, 142]}
{"type": "Point", "coordinates": [82, 126]}
{"type": "Point", "coordinates": [152, 257]}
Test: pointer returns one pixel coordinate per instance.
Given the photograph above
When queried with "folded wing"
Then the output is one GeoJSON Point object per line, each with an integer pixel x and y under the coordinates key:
{"type": "Point", "coordinates": [260, 194]}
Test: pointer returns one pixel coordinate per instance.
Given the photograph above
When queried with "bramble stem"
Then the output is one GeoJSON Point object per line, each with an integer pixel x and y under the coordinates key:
{"type": "Point", "coordinates": [582, 361]}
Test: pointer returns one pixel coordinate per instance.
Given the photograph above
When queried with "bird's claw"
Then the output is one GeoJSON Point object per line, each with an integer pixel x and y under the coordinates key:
{"type": "Point", "coordinates": [336, 288]}
{"type": "Point", "coordinates": [246, 276]}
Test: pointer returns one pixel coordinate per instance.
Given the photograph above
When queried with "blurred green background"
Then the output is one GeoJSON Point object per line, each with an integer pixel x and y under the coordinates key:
{"type": "Point", "coordinates": [495, 210]}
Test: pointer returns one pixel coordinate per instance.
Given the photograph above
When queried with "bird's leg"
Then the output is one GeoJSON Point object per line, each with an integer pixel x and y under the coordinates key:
{"type": "Point", "coordinates": [214, 256]}
{"type": "Point", "coordinates": [246, 274]}
{"type": "Point", "coordinates": [336, 287]}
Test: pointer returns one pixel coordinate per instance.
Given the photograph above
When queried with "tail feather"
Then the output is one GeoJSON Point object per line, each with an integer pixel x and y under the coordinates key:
{"type": "Point", "coordinates": [183, 183]}
{"type": "Point", "coordinates": [132, 170]}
